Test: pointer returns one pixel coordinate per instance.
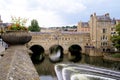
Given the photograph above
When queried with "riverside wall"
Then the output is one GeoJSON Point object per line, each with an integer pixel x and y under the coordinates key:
{"type": "Point", "coordinates": [15, 64]}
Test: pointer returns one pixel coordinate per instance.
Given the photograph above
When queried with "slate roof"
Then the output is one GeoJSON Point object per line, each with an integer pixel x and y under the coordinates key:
{"type": "Point", "coordinates": [4, 24]}
{"type": "Point", "coordinates": [85, 24]}
{"type": "Point", "coordinates": [103, 18]}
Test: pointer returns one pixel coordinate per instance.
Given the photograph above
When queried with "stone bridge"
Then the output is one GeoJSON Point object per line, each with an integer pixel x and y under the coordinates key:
{"type": "Point", "coordinates": [64, 39]}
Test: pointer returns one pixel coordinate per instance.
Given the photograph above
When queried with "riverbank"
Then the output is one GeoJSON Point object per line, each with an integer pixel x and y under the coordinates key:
{"type": "Point", "coordinates": [111, 57]}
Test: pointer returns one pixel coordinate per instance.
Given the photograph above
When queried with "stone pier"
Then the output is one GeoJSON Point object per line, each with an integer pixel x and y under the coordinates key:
{"type": "Point", "coordinates": [17, 65]}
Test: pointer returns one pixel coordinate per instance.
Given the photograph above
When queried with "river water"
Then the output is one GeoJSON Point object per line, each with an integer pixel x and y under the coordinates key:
{"type": "Point", "coordinates": [46, 68]}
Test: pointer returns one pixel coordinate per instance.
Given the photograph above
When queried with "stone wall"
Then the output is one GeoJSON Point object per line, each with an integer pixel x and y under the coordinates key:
{"type": "Point", "coordinates": [64, 39]}
{"type": "Point", "coordinates": [93, 52]}
{"type": "Point", "coordinates": [108, 57]}
{"type": "Point", "coordinates": [17, 65]}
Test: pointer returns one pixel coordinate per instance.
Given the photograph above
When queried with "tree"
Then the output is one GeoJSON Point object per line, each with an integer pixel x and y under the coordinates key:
{"type": "Point", "coordinates": [116, 38]}
{"type": "Point", "coordinates": [34, 27]}
{"type": "Point", "coordinates": [74, 26]}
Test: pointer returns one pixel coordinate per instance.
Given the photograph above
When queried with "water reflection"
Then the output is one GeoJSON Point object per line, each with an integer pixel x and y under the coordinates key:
{"type": "Point", "coordinates": [100, 62]}
{"type": "Point", "coordinates": [47, 77]}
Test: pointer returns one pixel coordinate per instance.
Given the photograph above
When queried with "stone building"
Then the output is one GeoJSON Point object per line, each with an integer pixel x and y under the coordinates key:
{"type": "Point", "coordinates": [0, 20]}
{"type": "Point", "coordinates": [101, 28]}
{"type": "Point", "coordinates": [117, 21]}
{"type": "Point", "coordinates": [83, 27]}
{"type": "Point", "coordinates": [3, 26]}
{"type": "Point", "coordinates": [100, 31]}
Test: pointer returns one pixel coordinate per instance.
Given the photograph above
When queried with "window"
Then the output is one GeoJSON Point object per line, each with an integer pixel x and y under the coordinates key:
{"type": "Point", "coordinates": [103, 43]}
{"type": "Point", "coordinates": [112, 29]}
{"type": "Point", "coordinates": [104, 37]}
{"type": "Point", "coordinates": [65, 38]}
{"type": "Point", "coordinates": [104, 30]}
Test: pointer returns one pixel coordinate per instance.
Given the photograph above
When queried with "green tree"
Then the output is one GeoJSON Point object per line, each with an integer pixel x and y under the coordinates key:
{"type": "Point", "coordinates": [74, 26]}
{"type": "Point", "coordinates": [116, 38]}
{"type": "Point", "coordinates": [34, 27]}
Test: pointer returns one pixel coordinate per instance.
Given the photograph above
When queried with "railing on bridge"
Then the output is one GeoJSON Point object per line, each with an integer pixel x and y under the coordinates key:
{"type": "Point", "coordinates": [17, 65]}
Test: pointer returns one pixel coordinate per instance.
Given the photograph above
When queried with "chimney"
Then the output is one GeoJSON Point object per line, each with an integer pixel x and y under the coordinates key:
{"type": "Point", "coordinates": [0, 17]}
{"type": "Point", "coordinates": [94, 14]}
{"type": "Point", "coordinates": [107, 14]}
{"type": "Point", "coordinates": [91, 15]}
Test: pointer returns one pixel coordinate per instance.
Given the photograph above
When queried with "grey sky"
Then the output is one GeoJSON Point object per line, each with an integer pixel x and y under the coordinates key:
{"type": "Point", "coordinates": [57, 12]}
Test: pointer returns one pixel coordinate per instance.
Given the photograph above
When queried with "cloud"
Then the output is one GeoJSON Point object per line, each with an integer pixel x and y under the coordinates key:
{"type": "Point", "coordinates": [48, 12]}
{"type": "Point", "coordinates": [56, 12]}
{"type": "Point", "coordinates": [58, 5]}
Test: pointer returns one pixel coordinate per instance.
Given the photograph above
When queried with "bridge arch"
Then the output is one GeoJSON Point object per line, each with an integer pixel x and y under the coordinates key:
{"type": "Point", "coordinates": [56, 53]}
{"type": "Point", "coordinates": [74, 47]}
{"type": "Point", "coordinates": [38, 53]}
{"type": "Point", "coordinates": [74, 54]}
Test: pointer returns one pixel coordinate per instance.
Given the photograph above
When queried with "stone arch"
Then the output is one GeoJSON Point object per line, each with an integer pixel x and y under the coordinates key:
{"type": "Point", "coordinates": [38, 53]}
{"type": "Point", "coordinates": [108, 50]}
{"type": "Point", "coordinates": [74, 54]}
{"type": "Point", "coordinates": [103, 50]}
{"type": "Point", "coordinates": [56, 53]}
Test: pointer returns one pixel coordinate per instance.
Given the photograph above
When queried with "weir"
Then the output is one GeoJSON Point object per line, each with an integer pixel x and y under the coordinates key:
{"type": "Point", "coordinates": [80, 72]}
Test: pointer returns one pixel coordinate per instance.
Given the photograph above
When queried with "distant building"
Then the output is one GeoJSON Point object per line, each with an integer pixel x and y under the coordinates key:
{"type": "Point", "coordinates": [3, 26]}
{"type": "Point", "coordinates": [101, 28]}
{"type": "Point", "coordinates": [0, 19]}
{"type": "Point", "coordinates": [83, 27]}
{"type": "Point", "coordinates": [49, 30]}
{"type": "Point", "coordinates": [100, 31]}
{"type": "Point", "coordinates": [117, 21]}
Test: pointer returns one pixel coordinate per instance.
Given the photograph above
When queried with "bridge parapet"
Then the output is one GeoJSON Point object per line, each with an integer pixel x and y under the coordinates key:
{"type": "Point", "coordinates": [17, 65]}
{"type": "Point", "coordinates": [64, 39]}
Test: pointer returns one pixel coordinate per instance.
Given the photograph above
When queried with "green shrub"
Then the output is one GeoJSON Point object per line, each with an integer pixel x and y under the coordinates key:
{"type": "Point", "coordinates": [116, 55]}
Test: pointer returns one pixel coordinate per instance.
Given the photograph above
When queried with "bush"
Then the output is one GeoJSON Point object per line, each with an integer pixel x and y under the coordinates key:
{"type": "Point", "coordinates": [116, 55]}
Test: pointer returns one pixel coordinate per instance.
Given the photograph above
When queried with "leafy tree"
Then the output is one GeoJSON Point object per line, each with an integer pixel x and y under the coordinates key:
{"type": "Point", "coordinates": [34, 27]}
{"type": "Point", "coordinates": [74, 26]}
{"type": "Point", "coordinates": [116, 38]}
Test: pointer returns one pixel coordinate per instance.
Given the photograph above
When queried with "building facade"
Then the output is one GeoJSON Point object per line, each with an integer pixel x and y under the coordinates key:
{"type": "Point", "coordinates": [83, 27]}
{"type": "Point", "coordinates": [100, 28]}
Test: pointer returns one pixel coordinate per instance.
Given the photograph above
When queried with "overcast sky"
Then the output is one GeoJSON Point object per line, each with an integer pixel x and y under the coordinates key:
{"type": "Point", "coordinates": [57, 13]}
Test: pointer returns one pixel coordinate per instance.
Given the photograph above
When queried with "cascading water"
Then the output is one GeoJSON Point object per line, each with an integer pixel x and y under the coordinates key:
{"type": "Point", "coordinates": [88, 77]}
{"type": "Point", "coordinates": [84, 72]}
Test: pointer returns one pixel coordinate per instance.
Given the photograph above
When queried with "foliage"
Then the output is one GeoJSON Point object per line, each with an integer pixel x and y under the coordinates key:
{"type": "Point", "coordinates": [69, 27]}
{"type": "Point", "coordinates": [34, 26]}
{"type": "Point", "coordinates": [116, 38]}
{"type": "Point", "coordinates": [17, 24]}
{"type": "Point", "coordinates": [1, 31]}
{"type": "Point", "coordinates": [117, 55]}
{"type": "Point", "coordinates": [118, 29]}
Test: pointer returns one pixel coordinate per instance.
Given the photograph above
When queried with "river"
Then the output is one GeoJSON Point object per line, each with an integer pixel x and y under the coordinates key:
{"type": "Point", "coordinates": [46, 68]}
